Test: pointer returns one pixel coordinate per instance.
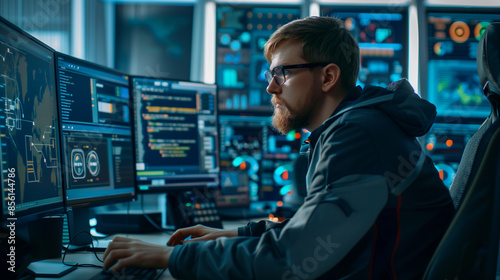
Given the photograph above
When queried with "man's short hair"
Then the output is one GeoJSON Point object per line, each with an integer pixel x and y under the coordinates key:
{"type": "Point", "coordinates": [323, 39]}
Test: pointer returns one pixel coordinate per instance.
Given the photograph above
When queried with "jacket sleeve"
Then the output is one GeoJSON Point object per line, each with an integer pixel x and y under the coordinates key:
{"type": "Point", "coordinates": [256, 229]}
{"type": "Point", "coordinates": [332, 220]}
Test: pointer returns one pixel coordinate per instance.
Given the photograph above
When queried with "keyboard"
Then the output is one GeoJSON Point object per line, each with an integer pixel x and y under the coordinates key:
{"type": "Point", "coordinates": [130, 273]}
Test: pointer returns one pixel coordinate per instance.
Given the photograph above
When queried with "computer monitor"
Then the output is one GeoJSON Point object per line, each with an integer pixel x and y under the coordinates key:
{"type": "Point", "coordinates": [382, 35]}
{"type": "Point", "coordinates": [32, 195]}
{"type": "Point", "coordinates": [450, 81]}
{"type": "Point", "coordinates": [242, 31]}
{"type": "Point", "coordinates": [256, 161]}
{"type": "Point", "coordinates": [30, 154]}
{"type": "Point", "coordinates": [176, 134]}
{"type": "Point", "coordinates": [453, 83]}
{"type": "Point", "coordinates": [97, 137]}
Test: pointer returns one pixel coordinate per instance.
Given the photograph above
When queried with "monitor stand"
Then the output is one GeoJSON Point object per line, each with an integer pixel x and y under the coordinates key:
{"type": "Point", "coordinates": [79, 228]}
{"type": "Point", "coordinates": [45, 242]}
{"type": "Point", "coordinates": [51, 268]}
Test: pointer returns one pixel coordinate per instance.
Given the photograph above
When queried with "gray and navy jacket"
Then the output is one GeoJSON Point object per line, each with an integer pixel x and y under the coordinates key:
{"type": "Point", "coordinates": [375, 209]}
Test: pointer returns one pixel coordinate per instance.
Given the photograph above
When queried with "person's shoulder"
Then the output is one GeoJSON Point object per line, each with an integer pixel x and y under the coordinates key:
{"type": "Point", "coordinates": [366, 117]}
{"type": "Point", "coordinates": [361, 125]}
{"type": "Point", "coordinates": [353, 124]}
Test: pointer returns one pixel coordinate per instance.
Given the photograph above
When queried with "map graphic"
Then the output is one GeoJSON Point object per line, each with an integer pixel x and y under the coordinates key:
{"type": "Point", "coordinates": [28, 118]}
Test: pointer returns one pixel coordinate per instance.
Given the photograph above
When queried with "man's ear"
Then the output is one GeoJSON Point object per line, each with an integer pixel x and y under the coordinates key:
{"type": "Point", "coordinates": [331, 77]}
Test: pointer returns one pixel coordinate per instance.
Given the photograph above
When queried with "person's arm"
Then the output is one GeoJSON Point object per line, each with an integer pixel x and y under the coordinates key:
{"type": "Point", "coordinates": [124, 252]}
{"type": "Point", "coordinates": [199, 233]}
{"type": "Point", "coordinates": [256, 229]}
{"type": "Point", "coordinates": [320, 234]}
{"type": "Point", "coordinates": [332, 220]}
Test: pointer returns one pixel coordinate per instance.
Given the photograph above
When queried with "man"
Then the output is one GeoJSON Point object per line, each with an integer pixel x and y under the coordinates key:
{"type": "Point", "coordinates": [376, 208]}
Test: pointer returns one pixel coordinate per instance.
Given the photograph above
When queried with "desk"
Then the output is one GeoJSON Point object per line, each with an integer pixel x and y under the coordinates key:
{"type": "Point", "coordinates": [83, 273]}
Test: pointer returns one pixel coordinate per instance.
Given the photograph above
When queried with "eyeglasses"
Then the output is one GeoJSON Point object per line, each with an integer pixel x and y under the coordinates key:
{"type": "Point", "coordinates": [279, 74]}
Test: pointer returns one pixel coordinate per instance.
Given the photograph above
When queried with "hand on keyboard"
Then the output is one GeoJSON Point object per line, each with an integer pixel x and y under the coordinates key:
{"type": "Point", "coordinates": [125, 252]}
{"type": "Point", "coordinates": [199, 233]}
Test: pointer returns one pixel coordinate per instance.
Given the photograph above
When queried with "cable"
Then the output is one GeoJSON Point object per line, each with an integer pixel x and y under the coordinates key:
{"type": "Point", "coordinates": [92, 245]}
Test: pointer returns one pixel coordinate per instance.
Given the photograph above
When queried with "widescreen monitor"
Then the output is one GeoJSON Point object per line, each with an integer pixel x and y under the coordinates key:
{"type": "Point", "coordinates": [176, 134]}
{"type": "Point", "coordinates": [29, 143]}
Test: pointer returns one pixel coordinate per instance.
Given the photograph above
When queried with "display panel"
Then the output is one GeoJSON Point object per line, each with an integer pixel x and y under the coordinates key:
{"type": "Point", "coordinates": [382, 35]}
{"type": "Point", "coordinates": [97, 134]}
{"type": "Point", "coordinates": [30, 153]}
{"type": "Point", "coordinates": [256, 160]}
{"type": "Point", "coordinates": [453, 82]}
{"type": "Point", "coordinates": [176, 134]}
{"type": "Point", "coordinates": [242, 32]}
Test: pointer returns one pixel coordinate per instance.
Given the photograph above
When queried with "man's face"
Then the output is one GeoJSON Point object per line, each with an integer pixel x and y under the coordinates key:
{"type": "Point", "coordinates": [295, 100]}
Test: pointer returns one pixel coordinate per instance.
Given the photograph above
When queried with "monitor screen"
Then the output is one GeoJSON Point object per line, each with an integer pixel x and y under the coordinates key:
{"type": "Point", "coordinates": [382, 35]}
{"type": "Point", "coordinates": [256, 160]}
{"type": "Point", "coordinates": [30, 154]}
{"type": "Point", "coordinates": [176, 134]}
{"type": "Point", "coordinates": [97, 135]}
{"type": "Point", "coordinates": [453, 83]}
{"type": "Point", "coordinates": [242, 32]}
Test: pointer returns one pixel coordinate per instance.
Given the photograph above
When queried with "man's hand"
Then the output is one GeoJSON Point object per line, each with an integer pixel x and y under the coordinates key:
{"type": "Point", "coordinates": [199, 233]}
{"type": "Point", "coordinates": [125, 252]}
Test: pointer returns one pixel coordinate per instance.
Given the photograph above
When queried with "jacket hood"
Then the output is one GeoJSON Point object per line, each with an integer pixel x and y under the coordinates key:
{"type": "Point", "coordinates": [399, 101]}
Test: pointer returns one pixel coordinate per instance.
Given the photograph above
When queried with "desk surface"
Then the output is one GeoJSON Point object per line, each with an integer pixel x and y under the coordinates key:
{"type": "Point", "coordinates": [89, 257]}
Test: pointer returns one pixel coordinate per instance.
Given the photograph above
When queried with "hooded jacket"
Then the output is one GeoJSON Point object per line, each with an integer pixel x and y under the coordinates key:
{"type": "Point", "coordinates": [375, 209]}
